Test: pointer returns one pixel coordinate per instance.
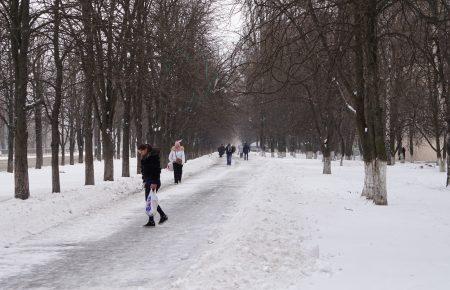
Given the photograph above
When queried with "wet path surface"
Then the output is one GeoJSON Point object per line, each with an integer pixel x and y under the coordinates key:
{"type": "Point", "coordinates": [135, 256]}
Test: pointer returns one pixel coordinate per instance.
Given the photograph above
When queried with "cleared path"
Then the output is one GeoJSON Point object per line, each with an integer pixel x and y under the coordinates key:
{"type": "Point", "coordinates": [135, 256]}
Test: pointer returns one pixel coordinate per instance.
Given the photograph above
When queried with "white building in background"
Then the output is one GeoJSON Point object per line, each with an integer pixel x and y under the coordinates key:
{"type": "Point", "coordinates": [422, 152]}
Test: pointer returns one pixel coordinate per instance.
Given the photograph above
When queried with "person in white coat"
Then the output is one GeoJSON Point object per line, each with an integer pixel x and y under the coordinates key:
{"type": "Point", "coordinates": [177, 157]}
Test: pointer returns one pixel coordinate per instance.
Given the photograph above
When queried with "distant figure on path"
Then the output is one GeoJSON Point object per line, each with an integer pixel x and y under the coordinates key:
{"type": "Point", "coordinates": [246, 150]}
{"type": "Point", "coordinates": [240, 151]}
{"type": "Point", "coordinates": [177, 157]}
{"type": "Point", "coordinates": [221, 150]}
{"type": "Point", "coordinates": [151, 171]}
{"type": "Point", "coordinates": [229, 150]}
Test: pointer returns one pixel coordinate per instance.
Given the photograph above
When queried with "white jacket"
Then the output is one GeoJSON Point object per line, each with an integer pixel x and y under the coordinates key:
{"type": "Point", "coordinates": [177, 154]}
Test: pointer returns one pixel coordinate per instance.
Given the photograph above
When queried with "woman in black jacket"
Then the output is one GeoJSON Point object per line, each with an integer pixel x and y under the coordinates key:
{"type": "Point", "coordinates": [151, 171]}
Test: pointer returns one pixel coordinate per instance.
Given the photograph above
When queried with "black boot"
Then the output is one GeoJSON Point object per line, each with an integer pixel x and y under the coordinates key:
{"type": "Point", "coordinates": [162, 214]}
{"type": "Point", "coordinates": [151, 222]}
{"type": "Point", "coordinates": [163, 219]}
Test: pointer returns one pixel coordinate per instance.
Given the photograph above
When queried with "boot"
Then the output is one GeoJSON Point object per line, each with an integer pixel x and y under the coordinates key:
{"type": "Point", "coordinates": [151, 222]}
{"type": "Point", "coordinates": [163, 219]}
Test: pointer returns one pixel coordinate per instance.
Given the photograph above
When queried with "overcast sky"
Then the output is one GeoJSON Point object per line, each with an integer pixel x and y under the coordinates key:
{"type": "Point", "coordinates": [228, 22]}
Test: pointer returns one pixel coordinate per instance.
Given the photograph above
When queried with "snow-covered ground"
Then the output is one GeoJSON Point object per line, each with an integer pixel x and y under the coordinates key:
{"type": "Point", "coordinates": [44, 209]}
{"type": "Point", "coordinates": [264, 224]}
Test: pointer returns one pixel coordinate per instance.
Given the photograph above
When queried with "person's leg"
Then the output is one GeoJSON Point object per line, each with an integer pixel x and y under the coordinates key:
{"type": "Point", "coordinates": [175, 171]}
{"type": "Point", "coordinates": [159, 209]}
{"type": "Point", "coordinates": [147, 190]}
{"type": "Point", "coordinates": [180, 173]}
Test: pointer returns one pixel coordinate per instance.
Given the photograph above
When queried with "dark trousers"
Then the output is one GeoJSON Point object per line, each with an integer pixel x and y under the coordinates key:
{"type": "Point", "coordinates": [177, 171]}
{"type": "Point", "coordinates": [246, 156]}
{"type": "Point", "coordinates": [229, 159]}
{"type": "Point", "coordinates": [147, 192]}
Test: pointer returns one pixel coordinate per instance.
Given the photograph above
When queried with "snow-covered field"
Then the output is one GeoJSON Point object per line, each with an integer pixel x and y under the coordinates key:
{"type": "Point", "coordinates": [264, 224]}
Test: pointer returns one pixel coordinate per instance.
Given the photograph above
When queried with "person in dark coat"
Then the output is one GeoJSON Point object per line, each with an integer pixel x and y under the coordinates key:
{"type": "Point", "coordinates": [229, 150]}
{"type": "Point", "coordinates": [246, 150]}
{"type": "Point", "coordinates": [221, 150]}
{"type": "Point", "coordinates": [151, 171]}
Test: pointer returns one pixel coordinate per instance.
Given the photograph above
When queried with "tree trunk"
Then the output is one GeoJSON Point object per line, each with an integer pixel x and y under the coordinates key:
{"type": "Point", "coordinates": [20, 36]}
{"type": "Point", "coordinates": [38, 133]}
{"type": "Point", "coordinates": [375, 181]}
{"type": "Point", "coordinates": [327, 164]}
{"type": "Point", "coordinates": [126, 136]}
{"type": "Point", "coordinates": [326, 151]}
{"type": "Point", "coordinates": [369, 113]}
{"type": "Point", "coordinates": [63, 144]}
{"type": "Point", "coordinates": [56, 110]}
{"type": "Point", "coordinates": [98, 141]}
{"type": "Point", "coordinates": [88, 138]}
{"type": "Point", "coordinates": [118, 142]}
{"type": "Point", "coordinates": [71, 144]}
{"type": "Point", "coordinates": [10, 166]}
{"type": "Point", "coordinates": [55, 155]}
{"type": "Point", "coordinates": [349, 145]}
{"type": "Point", "coordinates": [411, 144]}
{"type": "Point", "coordinates": [80, 143]}
{"type": "Point", "coordinates": [448, 156]}
{"type": "Point", "coordinates": [133, 146]}
{"type": "Point", "coordinates": [108, 156]}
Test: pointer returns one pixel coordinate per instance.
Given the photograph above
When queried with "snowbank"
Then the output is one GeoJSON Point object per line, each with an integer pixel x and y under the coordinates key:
{"type": "Point", "coordinates": [298, 228]}
{"type": "Point", "coordinates": [43, 210]}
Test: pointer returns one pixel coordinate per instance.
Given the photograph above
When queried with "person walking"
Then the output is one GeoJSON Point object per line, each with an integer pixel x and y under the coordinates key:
{"type": "Point", "coordinates": [177, 157]}
{"type": "Point", "coordinates": [240, 151]}
{"type": "Point", "coordinates": [246, 150]}
{"type": "Point", "coordinates": [221, 150]}
{"type": "Point", "coordinates": [151, 171]}
{"type": "Point", "coordinates": [229, 150]}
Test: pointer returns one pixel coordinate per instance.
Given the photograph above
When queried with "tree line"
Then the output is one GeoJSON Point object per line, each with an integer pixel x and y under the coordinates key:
{"type": "Point", "coordinates": [101, 77]}
{"type": "Point", "coordinates": [319, 75]}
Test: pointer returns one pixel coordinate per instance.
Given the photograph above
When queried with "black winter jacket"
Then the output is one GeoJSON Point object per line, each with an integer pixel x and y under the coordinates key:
{"type": "Point", "coordinates": [151, 166]}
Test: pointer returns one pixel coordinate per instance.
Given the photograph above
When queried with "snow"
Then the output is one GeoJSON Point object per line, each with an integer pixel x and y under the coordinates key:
{"type": "Point", "coordinates": [270, 223]}
{"type": "Point", "coordinates": [351, 108]}
{"type": "Point", "coordinates": [19, 218]}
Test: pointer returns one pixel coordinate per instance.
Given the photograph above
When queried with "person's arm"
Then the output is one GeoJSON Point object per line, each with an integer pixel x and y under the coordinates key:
{"type": "Point", "coordinates": [183, 157]}
{"type": "Point", "coordinates": [171, 157]}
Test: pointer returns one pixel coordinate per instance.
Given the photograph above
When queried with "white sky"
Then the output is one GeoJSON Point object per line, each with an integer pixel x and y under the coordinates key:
{"type": "Point", "coordinates": [228, 22]}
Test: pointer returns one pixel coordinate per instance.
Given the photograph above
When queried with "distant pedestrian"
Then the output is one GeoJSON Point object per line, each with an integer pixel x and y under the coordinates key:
{"type": "Point", "coordinates": [221, 150]}
{"type": "Point", "coordinates": [229, 150]}
{"type": "Point", "coordinates": [403, 154]}
{"type": "Point", "coordinates": [246, 150]}
{"type": "Point", "coordinates": [151, 171]}
{"type": "Point", "coordinates": [240, 151]}
{"type": "Point", "coordinates": [178, 159]}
